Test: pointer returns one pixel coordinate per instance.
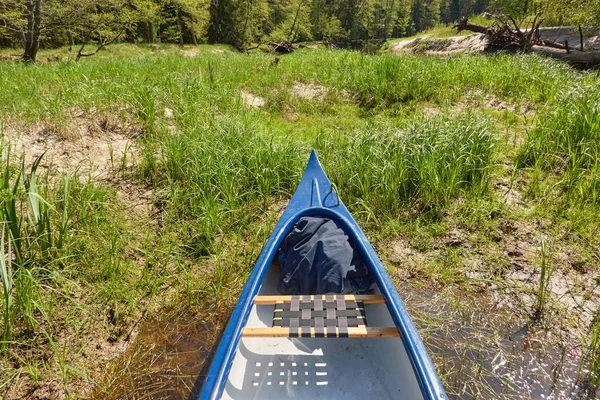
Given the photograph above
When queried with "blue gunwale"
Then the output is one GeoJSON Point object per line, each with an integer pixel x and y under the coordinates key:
{"type": "Point", "coordinates": [307, 200]}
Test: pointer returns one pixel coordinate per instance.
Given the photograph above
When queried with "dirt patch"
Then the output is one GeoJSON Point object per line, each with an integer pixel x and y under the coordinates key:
{"type": "Point", "coordinates": [407, 259]}
{"type": "Point", "coordinates": [85, 143]}
{"type": "Point", "coordinates": [493, 102]}
{"type": "Point", "coordinates": [9, 57]}
{"type": "Point", "coordinates": [309, 91]}
{"type": "Point", "coordinates": [136, 199]}
{"type": "Point", "coordinates": [277, 206]}
{"type": "Point", "coordinates": [477, 100]}
{"type": "Point", "coordinates": [192, 52]}
{"type": "Point", "coordinates": [509, 195]}
{"type": "Point", "coordinates": [440, 46]}
{"type": "Point", "coordinates": [252, 100]}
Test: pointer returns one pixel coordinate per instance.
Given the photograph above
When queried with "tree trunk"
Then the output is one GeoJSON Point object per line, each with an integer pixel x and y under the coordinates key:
{"type": "Point", "coordinates": [150, 32]}
{"type": "Point", "coordinates": [32, 35]}
{"type": "Point", "coordinates": [70, 36]}
{"type": "Point", "coordinates": [463, 24]}
{"type": "Point", "coordinates": [194, 37]}
{"type": "Point", "coordinates": [181, 26]}
{"type": "Point", "coordinates": [292, 34]}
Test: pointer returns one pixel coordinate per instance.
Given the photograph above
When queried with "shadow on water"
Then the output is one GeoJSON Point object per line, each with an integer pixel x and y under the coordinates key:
{"type": "Point", "coordinates": [169, 358]}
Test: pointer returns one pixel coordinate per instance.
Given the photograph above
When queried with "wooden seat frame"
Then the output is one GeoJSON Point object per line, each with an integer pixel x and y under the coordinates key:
{"type": "Point", "coordinates": [313, 309]}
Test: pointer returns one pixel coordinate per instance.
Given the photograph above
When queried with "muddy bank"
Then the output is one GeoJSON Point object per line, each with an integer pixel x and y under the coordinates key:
{"type": "Point", "coordinates": [476, 42]}
{"type": "Point", "coordinates": [427, 44]}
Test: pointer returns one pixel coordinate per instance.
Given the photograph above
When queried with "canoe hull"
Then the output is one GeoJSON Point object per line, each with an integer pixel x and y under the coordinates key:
{"type": "Point", "coordinates": [409, 364]}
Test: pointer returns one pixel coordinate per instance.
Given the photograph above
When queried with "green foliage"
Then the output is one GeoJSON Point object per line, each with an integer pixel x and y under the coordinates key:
{"type": "Point", "coordinates": [184, 21]}
{"type": "Point", "coordinates": [519, 9]}
{"type": "Point", "coordinates": [238, 22]}
{"type": "Point", "coordinates": [565, 12]}
{"type": "Point", "coordinates": [425, 14]}
{"type": "Point", "coordinates": [290, 20]}
{"type": "Point", "coordinates": [245, 23]}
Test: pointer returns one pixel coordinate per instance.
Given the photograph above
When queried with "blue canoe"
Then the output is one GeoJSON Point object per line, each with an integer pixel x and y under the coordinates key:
{"type": "Point", "coordinates": [256, 359]}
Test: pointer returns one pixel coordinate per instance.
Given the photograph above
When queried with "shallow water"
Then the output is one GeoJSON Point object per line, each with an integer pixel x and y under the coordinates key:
{"type": "Point", "coordinates": [480, 352]}
{"type": "Point", "coordinates": [169, 357]}
{"type": "Point", "coordinates": [485, 353]}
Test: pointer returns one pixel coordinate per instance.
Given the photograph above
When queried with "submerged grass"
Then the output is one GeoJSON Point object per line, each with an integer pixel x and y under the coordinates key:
{"type": "Point", "coordinates": [543, 291]}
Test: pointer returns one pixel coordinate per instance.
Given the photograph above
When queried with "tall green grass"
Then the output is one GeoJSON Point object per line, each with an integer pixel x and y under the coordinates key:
{"type": "Point", "coordinates": [566, 141]}
{"type": "Point", "coordinates": [420, 166]}
{"type": "Point", "coordinates": [142, 85]}
{"type": "Point", "coordinates": [6, 274]}
{"type": "Point", "coordinates": [32, 239]}
{"type": "Point", "coordinates": [229, 162]}
{"type": "Point", "coordinates": [59, 235]}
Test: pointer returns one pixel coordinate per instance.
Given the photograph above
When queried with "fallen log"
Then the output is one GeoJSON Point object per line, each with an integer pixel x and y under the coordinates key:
{"type": "Point", "coordinates": [580, 59]}
{"type": "Point", "coordinates": [464, 25]}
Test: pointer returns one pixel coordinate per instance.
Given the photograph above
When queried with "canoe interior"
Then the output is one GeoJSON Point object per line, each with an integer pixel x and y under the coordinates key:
{"type": "Point", "coordinates": [320, 368]}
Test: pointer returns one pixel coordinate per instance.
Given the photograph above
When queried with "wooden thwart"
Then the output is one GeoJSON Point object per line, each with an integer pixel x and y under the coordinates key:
{"type": "Point", "coordinates": [365, 298]}
{"type": "Point", "coordinates": [360, 332]}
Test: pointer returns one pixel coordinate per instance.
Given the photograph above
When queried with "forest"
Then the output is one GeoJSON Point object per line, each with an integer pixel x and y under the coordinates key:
{"type": "Point", "coordinates": [34, 24]}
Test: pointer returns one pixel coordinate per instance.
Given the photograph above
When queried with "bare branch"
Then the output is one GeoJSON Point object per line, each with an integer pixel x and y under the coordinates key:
{"type": "Point", "coordinates": [103, 44]}
{"type": "Point", "coordinates": [12, 28]}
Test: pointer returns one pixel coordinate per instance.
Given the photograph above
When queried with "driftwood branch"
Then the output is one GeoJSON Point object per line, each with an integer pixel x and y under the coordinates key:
{"type": "Point", "coordinates": [505, 34]}
{"type": "Point", "coordinates": [282, 47]}
{"type": "Point", "coordinates": [464, 25]}
{"type": "Point", "coordinates": [245, 49]}
{"type": "Point", "coordinates": [103, 44]}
